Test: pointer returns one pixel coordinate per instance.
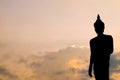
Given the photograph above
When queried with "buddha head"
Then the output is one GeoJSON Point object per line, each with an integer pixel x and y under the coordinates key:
{"type": "Point", "coordinates": [99, 26]}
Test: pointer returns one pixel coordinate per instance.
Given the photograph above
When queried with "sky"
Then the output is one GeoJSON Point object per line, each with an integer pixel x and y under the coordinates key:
{"type": "Point", "coordinates": [49, 25]}
{"type": "Point", "coordinates": [49, 39]}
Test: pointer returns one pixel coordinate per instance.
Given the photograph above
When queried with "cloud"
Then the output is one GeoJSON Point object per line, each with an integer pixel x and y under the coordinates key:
{"type": "Point", "coordinates": [59, 72]}
{"type": "Point", "coordinates": [115, 60]}
{"type": "Point", "coordinates": [66, 63]}
{"type": "Point", "coordinates": [70, 63]}
{"type": "Point", "coordinates": [6, 73]}
{"type": "Point", "coordinates": [75, 60]}
{"type": "Point", "coordinates": [115, 66]}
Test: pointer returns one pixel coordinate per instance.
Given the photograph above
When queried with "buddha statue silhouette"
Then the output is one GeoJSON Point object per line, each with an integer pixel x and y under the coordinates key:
{"type": "Point", "coordinates": [101, 47]}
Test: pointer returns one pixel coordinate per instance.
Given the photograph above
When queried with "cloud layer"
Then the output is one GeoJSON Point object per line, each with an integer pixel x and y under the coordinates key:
{"type": "Point", "coordinates": [66, 64]}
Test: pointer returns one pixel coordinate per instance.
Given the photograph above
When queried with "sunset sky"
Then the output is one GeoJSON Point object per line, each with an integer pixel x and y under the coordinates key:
{"type": "Point", "coordinates": [48, 25]}
{"type": "Point", "coordinates": [31, 30]}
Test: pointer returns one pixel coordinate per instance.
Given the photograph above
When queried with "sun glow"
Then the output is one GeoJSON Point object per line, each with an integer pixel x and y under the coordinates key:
{"type": "Point", "coordinates": [74, 63]}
